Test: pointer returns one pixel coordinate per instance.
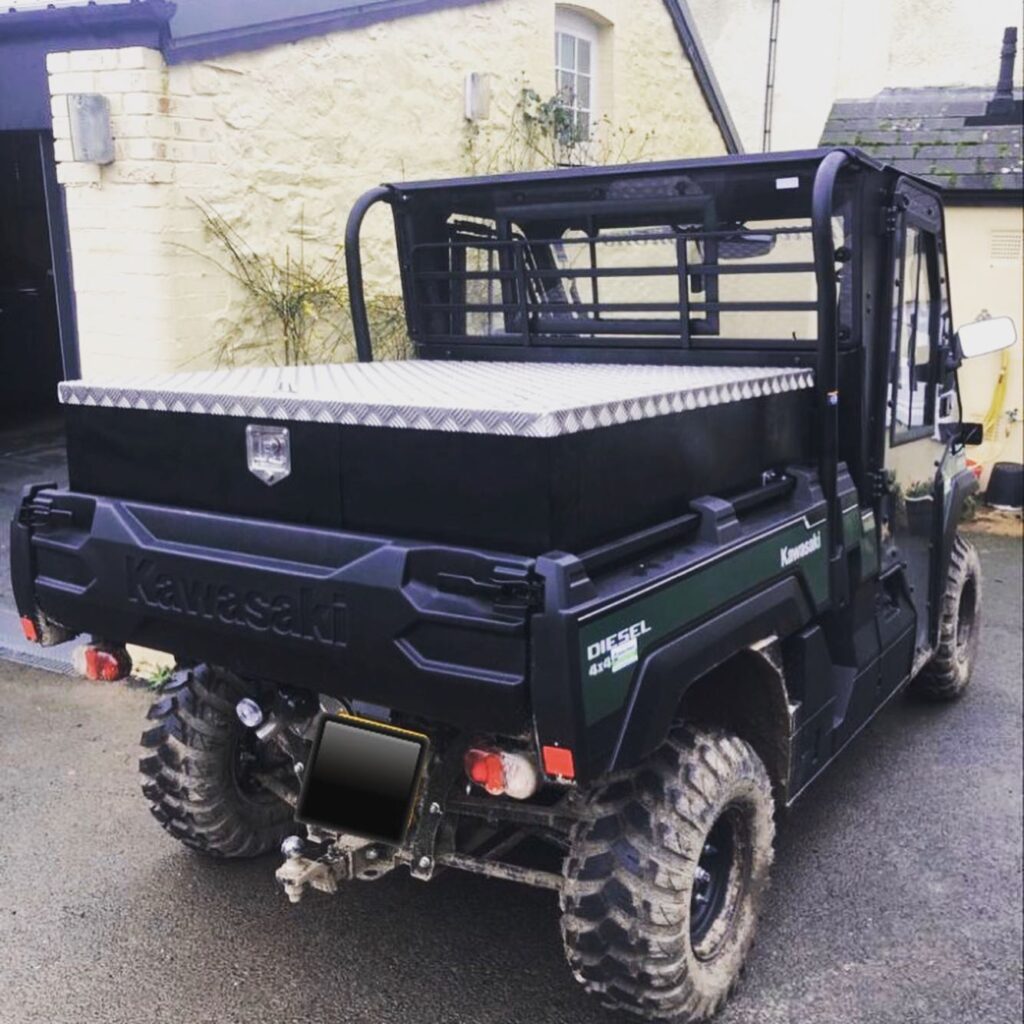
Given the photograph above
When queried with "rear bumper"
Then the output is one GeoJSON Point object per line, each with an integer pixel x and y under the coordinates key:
{"type": "Point", "coordinates": [345, 614]}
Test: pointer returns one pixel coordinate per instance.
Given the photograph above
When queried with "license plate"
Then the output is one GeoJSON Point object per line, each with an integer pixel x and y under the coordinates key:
{"type": "Point", "coordinates": [363, 778]}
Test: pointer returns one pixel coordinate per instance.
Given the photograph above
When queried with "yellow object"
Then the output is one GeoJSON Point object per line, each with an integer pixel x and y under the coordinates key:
{"type": "Point", "coordinates": [991, 386]}
{"type": "Point", "coordinates": [347, 716]}
{"type": "Point", "coordinates": [995, 409]}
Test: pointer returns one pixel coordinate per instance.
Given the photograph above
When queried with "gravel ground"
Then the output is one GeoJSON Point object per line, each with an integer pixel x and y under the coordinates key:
{"type": "Point", "coordinates": [897, 894]}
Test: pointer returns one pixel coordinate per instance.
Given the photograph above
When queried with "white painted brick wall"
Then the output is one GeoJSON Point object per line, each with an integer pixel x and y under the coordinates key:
{"type": "Point", "coordinates": [130, 227]}
{"type": "Point", "coordinates": [285, 138]}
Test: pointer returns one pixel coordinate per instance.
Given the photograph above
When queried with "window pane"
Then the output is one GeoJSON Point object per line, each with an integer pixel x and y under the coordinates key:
{"type": "Point", "coordinates": [583, 55]}
{"type": "Point", "coordinates": [567, 88]}
{"type": "Point", "coordinates": [567, 47]}
{"type": "Point", "coordinates": [914, 313]}
{"type": "Point", "coordinates": [922, 315]}
{"type": "Point", "coordinates": [583, 91]}
{"type": "Point", "coordinates": [583, 126]}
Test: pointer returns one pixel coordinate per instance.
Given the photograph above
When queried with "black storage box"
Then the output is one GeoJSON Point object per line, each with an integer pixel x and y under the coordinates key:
{"type": "Point", "coordinates": [523, 458]}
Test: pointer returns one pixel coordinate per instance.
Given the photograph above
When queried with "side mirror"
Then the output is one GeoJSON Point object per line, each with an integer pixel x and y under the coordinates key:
{"type": "Point", "coordinates": [962, 433]}
{"type": "Point", "coordinates": [985, 336]}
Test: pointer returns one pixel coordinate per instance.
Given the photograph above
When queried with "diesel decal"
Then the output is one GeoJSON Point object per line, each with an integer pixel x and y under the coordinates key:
{"type": "Point", "coordinates": [294, 614]}
{"type": "Point", "coordinates": [617, 651]}
{"type": "Point", "coordinates": [610, 643]}
{"type": "Point", "coordinates": [789, 555]}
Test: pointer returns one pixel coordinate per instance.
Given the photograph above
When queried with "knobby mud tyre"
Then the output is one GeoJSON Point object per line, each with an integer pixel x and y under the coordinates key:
{"type": "Point", "coordinates": [656, 919]}
{"type": "Point", "coordinates": [197, 770]}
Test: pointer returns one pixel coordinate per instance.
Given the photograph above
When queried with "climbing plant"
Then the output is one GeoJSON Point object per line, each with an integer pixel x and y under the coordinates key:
{"type": "Point", "coordinates": [533, 132]}
{"type": "Point", "coordinates": [297, 306]}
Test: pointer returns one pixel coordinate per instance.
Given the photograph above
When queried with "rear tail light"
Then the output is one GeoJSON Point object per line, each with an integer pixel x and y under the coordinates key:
{"type": "Point", "coordinates": [102, 664]}
{"type": "Point", "coordinates": [29, 628]}
{"type": "Point", "coordinates": [501, 772]}
{"type": "Point", "coordinates": [558, 762]}
{"type": "Point", "coordinates": [484, 768]}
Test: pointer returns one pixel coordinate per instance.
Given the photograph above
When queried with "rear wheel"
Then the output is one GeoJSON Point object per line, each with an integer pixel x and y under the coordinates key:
{"type": "Point", "coordinates": [947, 675]}
{"type": "Point", "coordinates": [665, 876]}
{"type": "Point", "coordinates": [199, 772]}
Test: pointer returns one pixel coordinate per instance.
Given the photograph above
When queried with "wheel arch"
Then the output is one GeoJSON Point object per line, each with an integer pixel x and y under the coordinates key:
{"type": "Point", "coordinates": [725, 672]}
{"type": "Point", "coordinates": [962, 486]}
{"type": "Point", "coordinates": [746, 695]}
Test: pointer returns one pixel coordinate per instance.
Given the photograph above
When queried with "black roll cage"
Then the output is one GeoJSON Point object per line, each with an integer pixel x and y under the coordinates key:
{"type": "Point", "coordinates": [588, 198]}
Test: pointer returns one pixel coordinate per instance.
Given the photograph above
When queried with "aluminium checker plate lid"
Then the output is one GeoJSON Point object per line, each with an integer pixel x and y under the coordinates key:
{"type": "Point", "coordinates": [510, 399]}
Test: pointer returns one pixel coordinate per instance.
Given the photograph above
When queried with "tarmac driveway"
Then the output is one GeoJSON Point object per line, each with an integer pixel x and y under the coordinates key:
{"type": "Point", "coordinates": [30, 454]}
{"type": "Point", "coordinates": [897, 894]}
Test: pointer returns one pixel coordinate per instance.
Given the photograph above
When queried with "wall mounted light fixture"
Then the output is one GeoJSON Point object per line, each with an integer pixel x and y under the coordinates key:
{"type": "Point", "coordinates": [91, 138]}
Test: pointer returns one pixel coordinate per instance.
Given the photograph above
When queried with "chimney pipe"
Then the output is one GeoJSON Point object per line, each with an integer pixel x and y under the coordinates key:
{"type": "Point", "coordinates": [1002, 101]}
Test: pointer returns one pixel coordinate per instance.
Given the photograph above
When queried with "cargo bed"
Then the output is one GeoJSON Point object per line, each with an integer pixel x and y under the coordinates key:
{"type": "Point", "coordinates": [515, 457]}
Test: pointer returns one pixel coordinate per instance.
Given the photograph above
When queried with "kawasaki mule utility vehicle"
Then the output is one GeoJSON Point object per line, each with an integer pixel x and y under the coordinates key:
{"type": "Point", "coordinates": [661, 514]}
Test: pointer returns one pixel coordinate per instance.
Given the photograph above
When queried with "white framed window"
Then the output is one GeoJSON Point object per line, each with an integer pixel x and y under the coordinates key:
{"type": "Point", "coordinates": [576, 70]}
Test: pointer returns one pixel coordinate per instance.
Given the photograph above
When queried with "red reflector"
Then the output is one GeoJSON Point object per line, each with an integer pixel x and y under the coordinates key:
{"type": "Point", "coordinates": [485, 768]}
{"type": "Point", "coordinates": [102, 665]}
{"type": "Point", "coordinates": [558, 761]}
{"type": "Point", "coordinates": [28, 627]}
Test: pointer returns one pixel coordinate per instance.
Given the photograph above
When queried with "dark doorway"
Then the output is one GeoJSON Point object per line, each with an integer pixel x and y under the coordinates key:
{"type": "Point", "coordinates": [30, 351]}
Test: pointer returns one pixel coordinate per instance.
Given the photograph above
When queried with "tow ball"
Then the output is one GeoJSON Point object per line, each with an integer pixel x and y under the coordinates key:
{"type": "Point", "coordinates": [320, 863]}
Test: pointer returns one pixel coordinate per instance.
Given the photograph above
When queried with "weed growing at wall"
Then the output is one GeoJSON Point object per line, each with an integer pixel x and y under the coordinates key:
{"type": "Point", "coordinates": [532, 133]}
{"type": "Point", "coordinates": [297, 306]}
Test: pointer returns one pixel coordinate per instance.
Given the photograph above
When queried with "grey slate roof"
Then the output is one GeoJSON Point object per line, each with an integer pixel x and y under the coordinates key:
{"type": "Point", "coordinates": [924, 132]}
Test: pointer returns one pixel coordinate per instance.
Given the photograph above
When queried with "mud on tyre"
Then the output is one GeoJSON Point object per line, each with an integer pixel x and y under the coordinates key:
{"type": "Point", "coordinates": [665, 876]}
{"type": "Point", "coordinates": [948, 673]}
{"type": "Point", "coordinates": [199, 767]}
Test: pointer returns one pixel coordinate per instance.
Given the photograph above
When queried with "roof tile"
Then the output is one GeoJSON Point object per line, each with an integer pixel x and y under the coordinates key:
{"type": "Point", "coordinates": [925, 132]}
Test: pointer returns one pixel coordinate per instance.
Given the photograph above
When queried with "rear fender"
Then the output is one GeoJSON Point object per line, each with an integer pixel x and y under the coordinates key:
{"type": "Point", "coordinates": [725, 654]}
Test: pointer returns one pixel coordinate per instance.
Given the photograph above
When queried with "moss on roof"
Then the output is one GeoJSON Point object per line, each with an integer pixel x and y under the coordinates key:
{"type": "Point", "coordinates": [929, 132]}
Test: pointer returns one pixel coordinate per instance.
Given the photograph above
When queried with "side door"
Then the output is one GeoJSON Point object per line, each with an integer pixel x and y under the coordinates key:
{"type": "Point", "coordinates": [919, 332]}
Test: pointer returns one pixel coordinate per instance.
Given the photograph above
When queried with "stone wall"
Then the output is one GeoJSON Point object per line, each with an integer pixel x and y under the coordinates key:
{"type": "Point", "coordinates": [280, 142]}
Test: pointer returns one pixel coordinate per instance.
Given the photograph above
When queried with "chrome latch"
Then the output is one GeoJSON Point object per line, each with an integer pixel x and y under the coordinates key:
{"type": "Point", "coordinates": [269, 452]}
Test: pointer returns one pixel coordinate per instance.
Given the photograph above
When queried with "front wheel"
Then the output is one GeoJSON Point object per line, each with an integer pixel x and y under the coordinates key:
{"type": "Point", "coordinates": [947, 675]}
{"type": "Point", "coordinates": [665, 876]}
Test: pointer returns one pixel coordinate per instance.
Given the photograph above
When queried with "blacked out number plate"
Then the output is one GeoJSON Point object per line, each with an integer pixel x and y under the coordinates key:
{"type": "Point", "coordinates": [362, 778]}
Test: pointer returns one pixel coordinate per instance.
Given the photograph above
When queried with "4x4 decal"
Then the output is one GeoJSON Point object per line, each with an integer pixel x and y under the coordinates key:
{"type": "Point", "coordinates": [689, 596]}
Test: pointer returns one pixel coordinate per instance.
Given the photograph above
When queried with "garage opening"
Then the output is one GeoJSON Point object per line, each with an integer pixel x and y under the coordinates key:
{"type": "Point", "coordinates": [31, 427]}
{"type": "Point", "coordinates": [30, 352]}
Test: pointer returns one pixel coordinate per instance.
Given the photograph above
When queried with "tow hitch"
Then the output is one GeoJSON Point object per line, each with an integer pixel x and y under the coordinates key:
{"type": "Point", "coordinates": [320, 863]}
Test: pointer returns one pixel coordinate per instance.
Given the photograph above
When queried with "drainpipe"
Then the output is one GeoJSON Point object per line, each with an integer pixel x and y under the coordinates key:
{"type": "Point", "coordinates": [769, 85]}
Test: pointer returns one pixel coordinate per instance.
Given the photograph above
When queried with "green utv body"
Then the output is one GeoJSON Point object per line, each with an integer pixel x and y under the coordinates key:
{"type": "Point", "coordinates": [662, 512]}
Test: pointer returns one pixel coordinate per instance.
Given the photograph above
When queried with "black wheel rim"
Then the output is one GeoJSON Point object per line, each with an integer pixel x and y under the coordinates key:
{"type": "Point", "coordinates": [711, 878]}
